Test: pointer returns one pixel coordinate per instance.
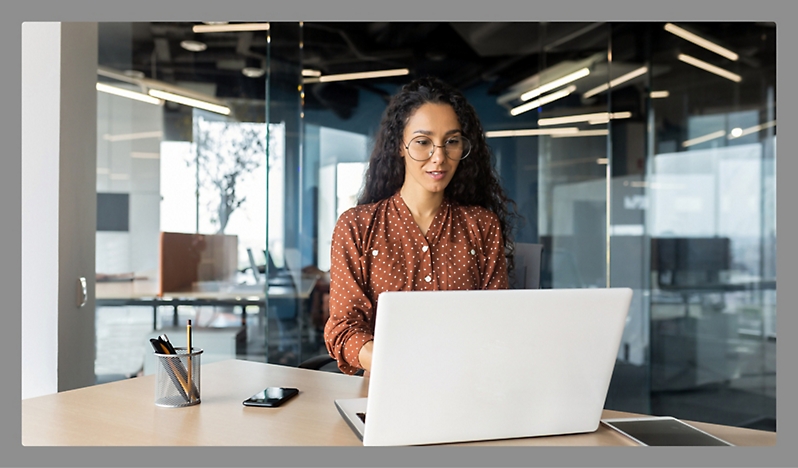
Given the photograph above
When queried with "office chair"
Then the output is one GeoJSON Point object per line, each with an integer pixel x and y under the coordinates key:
{"type": "Point", "coordinates": [528, 260]}
{"type": "Point", "coordinates": [526, 275]}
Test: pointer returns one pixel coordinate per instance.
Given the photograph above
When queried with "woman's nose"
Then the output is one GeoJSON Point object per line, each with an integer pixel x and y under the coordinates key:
{"type": "Point", "coordinates": [438, 154]}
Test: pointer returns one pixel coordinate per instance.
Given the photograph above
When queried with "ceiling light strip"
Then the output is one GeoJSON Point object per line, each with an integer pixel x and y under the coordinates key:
{"type": "Point", "coordinates": [530, 132]}
{"type": "Point", "coordinates": [621, 79]}
{"type": "Point", "coordinates": [542, 101]}
{"type": "Point", "coordinates": [710, 68]}
{"type": "Point", "coordinates": [754, 129]}
{"type": "Point", "coordinates": [187, 101]}
{"type": "Point", "coordinates": [704, 139]}
{"type": "Point", "coordinates": [584, 133]}
{"type": "Point", "coordinates": [594, 118]}
{"type": "Point", "coordinates": [555, 84]}
{"type": "Point", "coordinates": [700, 41]}
{"type": "Point", "coordinates": [102, 87]}
{"type": "Point", "coordinates": [360, 75]}
{"type": "Point", "coordinates": [214, 28]}
{"type": "Point", "coordinates": [659, 94]}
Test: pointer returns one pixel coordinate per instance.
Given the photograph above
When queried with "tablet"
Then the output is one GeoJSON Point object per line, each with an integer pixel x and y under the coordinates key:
{"type": "Point", "coordinates": [662, 431]}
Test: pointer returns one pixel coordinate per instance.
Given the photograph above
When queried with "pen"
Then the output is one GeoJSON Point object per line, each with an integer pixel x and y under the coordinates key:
{"type": "Point", "coordinates": [171, 369]}
{"type": "Point", "coordinates": [188, 348]}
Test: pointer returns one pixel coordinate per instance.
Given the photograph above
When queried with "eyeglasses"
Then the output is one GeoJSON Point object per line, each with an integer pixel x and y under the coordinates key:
{"type": "Point", "coordinates": [421, 148]}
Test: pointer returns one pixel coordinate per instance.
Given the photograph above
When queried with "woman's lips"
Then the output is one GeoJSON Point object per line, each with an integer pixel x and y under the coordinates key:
{"type": "Point", "coordinates": [437, 175]}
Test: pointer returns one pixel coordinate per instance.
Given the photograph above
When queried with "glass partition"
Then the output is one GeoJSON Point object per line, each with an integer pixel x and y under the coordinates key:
{"type": "Point", "coordinates": [181, 187]}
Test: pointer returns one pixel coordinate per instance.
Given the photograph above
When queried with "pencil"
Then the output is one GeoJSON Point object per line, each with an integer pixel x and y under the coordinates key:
{"type": "Point", "coordinates": [188, 348]}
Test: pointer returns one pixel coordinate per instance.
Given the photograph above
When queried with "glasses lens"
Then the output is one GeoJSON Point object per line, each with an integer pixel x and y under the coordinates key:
{"type": "Point", "coordinates": [420, 148]}
{"type": "Point", "coordinates": [457, 147]}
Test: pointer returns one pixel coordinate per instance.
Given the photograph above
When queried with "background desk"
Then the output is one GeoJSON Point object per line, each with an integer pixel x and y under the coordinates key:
{"type": "Point", "coordinates": [123, 413]}
{"type": "Point", "coordinates": [145, 293]}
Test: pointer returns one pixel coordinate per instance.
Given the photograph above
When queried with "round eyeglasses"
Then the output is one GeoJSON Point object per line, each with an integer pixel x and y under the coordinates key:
{"type": "Point", "coordinates": [421, 148]}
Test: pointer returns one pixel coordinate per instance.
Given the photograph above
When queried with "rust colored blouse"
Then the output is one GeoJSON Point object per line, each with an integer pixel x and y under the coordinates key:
{"type": "Point", "coordinates": [379, 247]}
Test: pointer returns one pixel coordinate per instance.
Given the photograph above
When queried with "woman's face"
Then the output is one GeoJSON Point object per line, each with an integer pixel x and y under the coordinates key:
{"type": "Point", "coordinates": [436, 123]}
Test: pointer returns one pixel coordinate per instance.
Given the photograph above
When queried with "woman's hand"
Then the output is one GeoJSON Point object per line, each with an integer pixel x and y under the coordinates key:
{"type": "Point", "coordinates": [365, 355]}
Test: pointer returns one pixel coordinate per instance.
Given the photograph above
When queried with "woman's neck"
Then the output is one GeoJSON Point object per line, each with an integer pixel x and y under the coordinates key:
{"type": "Point", "coordinates": [423, 206]}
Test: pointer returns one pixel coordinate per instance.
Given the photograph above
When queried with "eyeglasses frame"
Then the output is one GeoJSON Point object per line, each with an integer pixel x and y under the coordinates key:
{"type": "Point", "coordinates": [431, 153]}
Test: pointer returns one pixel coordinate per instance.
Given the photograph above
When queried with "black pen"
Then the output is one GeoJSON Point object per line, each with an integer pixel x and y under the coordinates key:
{"type": "Point", "coordinates": [188, 350]}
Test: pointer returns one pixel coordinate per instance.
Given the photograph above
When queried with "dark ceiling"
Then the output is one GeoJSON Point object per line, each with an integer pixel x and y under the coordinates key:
{"type": "Point", "coordinates": [498, 55]}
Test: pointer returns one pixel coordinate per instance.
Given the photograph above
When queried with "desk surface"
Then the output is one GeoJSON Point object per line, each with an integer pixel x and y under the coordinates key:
{"type": "Point", "coordinates": [123, 413]}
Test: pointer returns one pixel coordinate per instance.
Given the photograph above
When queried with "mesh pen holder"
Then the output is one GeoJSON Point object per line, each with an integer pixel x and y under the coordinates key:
{"type": "Point", "coordinates": [177, 378]}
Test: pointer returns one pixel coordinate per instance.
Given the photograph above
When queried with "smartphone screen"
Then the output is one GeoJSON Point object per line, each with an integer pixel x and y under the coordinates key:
{"type": "Point", "coordinates": [664, 432]}
{"type": "Point", "coordinates": [271, 396]}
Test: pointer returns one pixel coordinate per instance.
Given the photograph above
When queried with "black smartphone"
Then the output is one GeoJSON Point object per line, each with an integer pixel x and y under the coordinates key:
{"type": "Point", "coordinates": [271, 397]}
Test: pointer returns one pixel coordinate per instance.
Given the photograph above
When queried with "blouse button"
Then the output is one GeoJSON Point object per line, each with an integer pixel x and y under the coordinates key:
{"type": "Point", "coordinates": [424, 249]}
{"type": "Point", "coordinates": [428, 278]}
{"type": "Point", "coordinates": [375, 252]}
{"type": "Point", "coordinates": [472, 252]}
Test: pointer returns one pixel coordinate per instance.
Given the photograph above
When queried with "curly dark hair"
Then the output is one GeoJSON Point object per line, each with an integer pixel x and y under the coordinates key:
{"type": "Point", "coordinates": [475, 182]}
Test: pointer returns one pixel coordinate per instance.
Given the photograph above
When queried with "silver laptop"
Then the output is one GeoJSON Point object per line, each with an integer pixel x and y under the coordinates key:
{"type": "Point", "coordinates": [456, 366]}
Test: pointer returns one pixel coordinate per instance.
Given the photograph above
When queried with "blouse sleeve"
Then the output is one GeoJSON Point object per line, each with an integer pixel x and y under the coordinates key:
{"type": "Point", "coordinates": [495, 274]}
{"type": "Point", "coordinates": [350, 325]}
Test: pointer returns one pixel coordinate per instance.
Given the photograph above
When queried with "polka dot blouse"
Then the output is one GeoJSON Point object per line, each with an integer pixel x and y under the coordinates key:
{"type": "Point", "coordinates": [379, 247]}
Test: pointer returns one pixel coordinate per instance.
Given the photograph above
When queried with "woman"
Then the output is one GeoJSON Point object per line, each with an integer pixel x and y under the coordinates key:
{"type": "Point", "coordinates": [432, 216]}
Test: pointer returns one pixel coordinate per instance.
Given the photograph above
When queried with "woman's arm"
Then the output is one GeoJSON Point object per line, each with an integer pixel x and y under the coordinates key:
{"type": "Point", "coordinates": [350, 325]}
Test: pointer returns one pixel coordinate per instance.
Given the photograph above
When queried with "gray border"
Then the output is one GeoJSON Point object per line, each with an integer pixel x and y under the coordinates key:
{"type": "Point", "coordinates": [494, 10]}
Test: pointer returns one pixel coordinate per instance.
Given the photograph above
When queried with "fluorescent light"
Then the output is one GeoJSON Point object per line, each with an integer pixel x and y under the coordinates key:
{"type": "Point", "coordinates": [603, 161]}
{"type": "Point", "coordinates": [606, 117]}
{"type": "Point", "coordinates": [310, 72]}
{"type": "Point", "coordinates": [189, 101]}
{"type": "Point", "coordinates": [704, 139]}
{"type": "Point", "coordinates": [621, 79]}
{"type": "Point", "coordinates": [594, 118]}
{"type": "Point", "coordinates": [659, 94]}
{"type": "Point", "coordinates": [359, 76]}
{"type": "Point", "coordinates": [193, 46]}
{"type": "Point", "coordinates": [128, 94]}
{"type": "Point", "coordinates": [555, 84]}
{"type": "Point", "coordinates": [700, 41]}
{"type": "Point", "coordinates": [213, 28]}
{"type": "Point", "coordinates": [584, 133]}
{"type": "Point", "coordinates": [530, 132]}
{"type": "Point", "coordinates": [542, 101]}
{"type": "Point", "coordinates": [749, 130]}
{"type": "Point", "coordinates": [710, 68]}
{"type": "Point", "coordinates": [253, 72]}
{"type": "Point", "coordinates": [133, 136]}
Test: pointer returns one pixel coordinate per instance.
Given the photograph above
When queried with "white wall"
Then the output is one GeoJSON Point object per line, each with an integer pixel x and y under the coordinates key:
{"type": "Point", "coordinates": [59, 67]}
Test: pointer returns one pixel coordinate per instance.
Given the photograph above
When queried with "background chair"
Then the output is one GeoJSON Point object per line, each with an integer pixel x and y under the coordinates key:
{"type": "Point", "coordinates": [527, 258]}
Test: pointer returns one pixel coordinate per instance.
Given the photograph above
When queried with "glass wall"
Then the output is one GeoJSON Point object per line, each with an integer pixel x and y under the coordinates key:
{"type": "Point", "coordinates": [182, 192]}
{"type": "Point", "coordinates": [612, 172]}
{"type": "Point", "coordinates": [640, 155]}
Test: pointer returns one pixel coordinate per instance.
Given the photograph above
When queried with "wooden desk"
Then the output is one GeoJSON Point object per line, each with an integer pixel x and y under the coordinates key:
{"type": "Point", "coordinates": [123, 413]}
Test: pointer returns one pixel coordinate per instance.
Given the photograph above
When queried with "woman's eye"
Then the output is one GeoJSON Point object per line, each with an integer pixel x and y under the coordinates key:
{"type": "Point", "coordinates": [421, 142]}
{"type": "Point", "coordinates": [453, 141]}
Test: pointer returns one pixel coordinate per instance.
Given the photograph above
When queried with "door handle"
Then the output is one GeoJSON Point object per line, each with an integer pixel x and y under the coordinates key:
{"type": "Point", "coordinates": [83, 294]}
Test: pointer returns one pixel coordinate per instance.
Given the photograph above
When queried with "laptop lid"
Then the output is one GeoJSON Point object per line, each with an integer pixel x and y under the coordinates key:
{"type": "Point", "coordinates": [454, 366]}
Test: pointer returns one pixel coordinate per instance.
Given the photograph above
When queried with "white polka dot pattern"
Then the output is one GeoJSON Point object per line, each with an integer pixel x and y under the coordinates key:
{"type": "Point", "coordinates": [379, 247]}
